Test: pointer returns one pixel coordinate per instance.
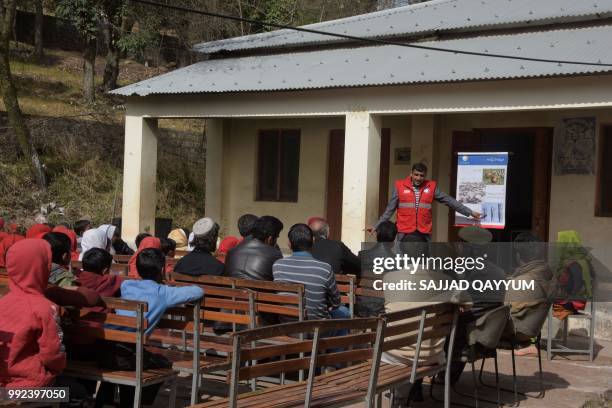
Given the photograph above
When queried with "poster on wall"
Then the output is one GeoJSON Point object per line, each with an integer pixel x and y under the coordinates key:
{"type": "Point", "coordinates": [481, 186]}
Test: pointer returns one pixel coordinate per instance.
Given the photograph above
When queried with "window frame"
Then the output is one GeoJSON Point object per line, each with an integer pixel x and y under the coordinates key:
{"type": "Point", "coordinates": [279, 174]}
{"type": "Point", "coordinates": [599, 210]}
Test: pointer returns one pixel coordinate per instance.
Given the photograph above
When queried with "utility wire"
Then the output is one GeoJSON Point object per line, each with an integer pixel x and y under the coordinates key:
{"type": "Point", "coordinates": [368, 40]}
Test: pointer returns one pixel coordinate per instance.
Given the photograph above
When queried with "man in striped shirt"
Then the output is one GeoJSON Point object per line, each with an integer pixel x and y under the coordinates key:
{"type": "Point", "coordinates": [322, 296]}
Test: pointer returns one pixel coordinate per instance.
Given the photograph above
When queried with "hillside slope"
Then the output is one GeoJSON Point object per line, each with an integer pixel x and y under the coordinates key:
{"type": "Point", "coordinates": [82, 147]}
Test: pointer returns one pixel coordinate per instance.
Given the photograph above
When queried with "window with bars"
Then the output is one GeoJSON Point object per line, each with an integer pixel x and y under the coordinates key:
{"type": "Point", "coordinates": [278, 165]}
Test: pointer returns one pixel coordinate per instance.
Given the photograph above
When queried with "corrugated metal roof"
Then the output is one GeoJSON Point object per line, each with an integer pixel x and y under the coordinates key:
{"type": "Point", "coordinates": [423, 18]}
{"type": "Point", "coordinates": [390, 64]}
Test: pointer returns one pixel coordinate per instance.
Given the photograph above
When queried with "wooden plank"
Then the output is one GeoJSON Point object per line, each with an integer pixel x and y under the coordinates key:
{"type": "Point", "coordinates": [123, 304]}
{"type": "Point", "coordinates": [85, 316]}
{"type": "Point", "coordinates": [287, 329]}
{"type": "Point", "coordinates": [83, 331]}
{"type": "Point", "coordinates": [273, 368]}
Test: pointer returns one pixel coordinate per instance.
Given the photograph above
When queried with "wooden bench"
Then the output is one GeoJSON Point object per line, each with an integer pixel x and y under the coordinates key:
{"type": "Point", "coordinates": [409, 328]}
{"type": "Point", "coordinates": [220, 305]}
{"type": "Point", "coordinates": [274, 298]}
{"type": "Point", "coordinates": [341, 387]}
{"type": "Point", "coordinates": [346, 286]}
{"type": "Point", "coordinates": [126, 329]}
{"type": "Point", "coordinates": [124, 259]}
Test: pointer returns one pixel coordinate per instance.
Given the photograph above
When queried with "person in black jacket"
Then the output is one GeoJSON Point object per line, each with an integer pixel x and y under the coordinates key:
{"type": "Point", "coordinates": [254, 256]}
{"type": "Point", "coordinates": [200, 261]}
{"type": "Point", "coordinates": [367, 306]}
{"type": "Point", "coordinates": [335, 253]}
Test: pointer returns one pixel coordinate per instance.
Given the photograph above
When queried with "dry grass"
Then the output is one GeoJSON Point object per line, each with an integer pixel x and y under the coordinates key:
{"type": "Point", "coordinates": [82, 146]}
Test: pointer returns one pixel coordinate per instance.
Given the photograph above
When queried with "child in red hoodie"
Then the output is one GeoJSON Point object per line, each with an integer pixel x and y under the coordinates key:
{"type": "Point", "coordinates": [31, 350]}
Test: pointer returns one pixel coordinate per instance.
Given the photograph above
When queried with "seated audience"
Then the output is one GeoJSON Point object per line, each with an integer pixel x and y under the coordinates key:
{"type": "Point", "coordinates": [226, 245]}
{"type": "Point", "coordinates": [366, 306]}
{"type": "Point", "coordinates": [432, 350]}
{"type": "Point", "coordinates": [253, 258]}
{"type": "Point", "coordinates": [150, 264]}
{"type": "Point", "coordinates": [530, 256]}
{"type": "Point", "coordinates": [93, 238]}
{"type": "Point", "coordinates": [335, 253]}
{"type": "Point", "coordinates": [80, 227]}
{"type": "Point", "coordinates": [113, 234]}
{"type": "Point", "coordinates": [74, 253]}
{"type": "Point", "coordinates": [180, 237]}
{"type": "Point", "coordinates": [139, 238]}
{"type": "Point", "coordinates": [147, 243]}
{"type": "Point", "coordinates": [5, 244]}
{"type": "Point", "coordinates": [322, 296]}
{"type": "Point", "coordinates": [37, 231]}
{"type": "Point", "coordinates": [168, 248]}
{"type": "Point", "coordinates": [61, 272]}
{"type": "Point", "coordinates": [30, 335]}
{"type": "Point", "coordinates": [245, 225]}
{"type": "Point", "coordinates": [201, 260]}
{"type": "Point", "coordinates": [96, 274]}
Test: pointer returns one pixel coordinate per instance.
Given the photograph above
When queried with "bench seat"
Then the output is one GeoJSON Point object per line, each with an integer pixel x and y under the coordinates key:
{"type": "Point", "coordinates": [339, 386]}
{"type": "Point", "coordinates": [90, 371]}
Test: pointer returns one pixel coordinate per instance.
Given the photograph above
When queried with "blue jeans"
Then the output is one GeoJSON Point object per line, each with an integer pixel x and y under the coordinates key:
{"type": "Point", "coordinates": [341, 312]}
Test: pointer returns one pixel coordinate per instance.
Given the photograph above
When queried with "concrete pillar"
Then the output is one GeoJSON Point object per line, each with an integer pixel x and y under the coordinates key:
{"type": "Point", "coordinates": [139, 177]}
{"type": "Point", "coordinates": [422, 141]}
{"type": "Point", "coordinates": [214, 167]}
{"type": "Point", "coordinates": [361, 176]}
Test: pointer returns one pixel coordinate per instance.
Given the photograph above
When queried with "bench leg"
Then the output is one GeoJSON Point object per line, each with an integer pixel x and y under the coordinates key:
{"type": "Point", "coordinates": [172, 397]}
{"type": "Point", "coordinates": [496, 379]}
{"type": "Point", "coordinates": [137, 395]}
{"type": "Point", "coordinates": [475, 384]}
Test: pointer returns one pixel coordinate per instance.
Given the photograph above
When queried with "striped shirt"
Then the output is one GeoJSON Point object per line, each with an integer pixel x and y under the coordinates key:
{"type": "Point", "coordinates": [318, 280]}
{"type": "Point", "coordinates": [417, 196]}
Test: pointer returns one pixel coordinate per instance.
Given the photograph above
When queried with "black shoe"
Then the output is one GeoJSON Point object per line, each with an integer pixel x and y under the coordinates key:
{"type": "Point", "coordinates": [416, 392]}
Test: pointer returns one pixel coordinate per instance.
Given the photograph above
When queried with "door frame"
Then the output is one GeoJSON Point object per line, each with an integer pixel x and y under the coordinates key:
{"type": "Point", "coordinates": [542, 173]}
{"type": "Point", "coordinates": [333, 206]}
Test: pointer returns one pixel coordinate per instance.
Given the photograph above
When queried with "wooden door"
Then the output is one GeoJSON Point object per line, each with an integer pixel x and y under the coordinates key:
{"type": "Point", "coordinates": [335, 178]}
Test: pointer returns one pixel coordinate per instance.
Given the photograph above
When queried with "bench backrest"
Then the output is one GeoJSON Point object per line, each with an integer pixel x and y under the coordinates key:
{"type": "Point", "coordinates": [226, 305]}
{"type": "Point", "coordinates": [346, 286]}
{"type": "Point", "coordinates": [365, 335]}
{"type": "Point", "coordinates": [127, 329]}
{"type": "Point", "coordinates": [410, 327]}
{"type": "Point", "coordinates": [121, 258]}
{"type": "Point", "coordinates": [274, 298]}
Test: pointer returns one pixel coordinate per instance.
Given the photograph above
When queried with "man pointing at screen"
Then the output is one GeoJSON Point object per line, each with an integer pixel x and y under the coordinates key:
{"type": "Point", "coordinates": [413, 199]}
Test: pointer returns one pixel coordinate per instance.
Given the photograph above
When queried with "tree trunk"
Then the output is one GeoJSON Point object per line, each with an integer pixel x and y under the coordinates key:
{"type": "Point", "coordinates": [111, 69]}
{"type": "Point", "coordinates": [9, 95]}
{"type": "Point", "coordinates": [89, 65]}
{"type": "Point", "coordinates": [38, 31]}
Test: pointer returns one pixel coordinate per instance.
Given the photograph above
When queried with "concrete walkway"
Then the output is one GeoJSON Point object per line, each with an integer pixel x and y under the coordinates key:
{"type": "Point", "coordinates": [569, 382]}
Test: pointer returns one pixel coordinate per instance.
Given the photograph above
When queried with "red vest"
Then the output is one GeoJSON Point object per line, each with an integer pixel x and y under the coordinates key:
{"type": "Point", "coordinates": [409, 218]}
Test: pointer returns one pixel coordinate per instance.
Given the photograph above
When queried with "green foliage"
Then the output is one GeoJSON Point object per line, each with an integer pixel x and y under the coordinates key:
{"type": "Point", "coordinates": [83, 13]}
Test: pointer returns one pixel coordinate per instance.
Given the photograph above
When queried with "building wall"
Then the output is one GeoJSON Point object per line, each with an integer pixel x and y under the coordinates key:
{"type": "Point", "coordinates": [240, 160]}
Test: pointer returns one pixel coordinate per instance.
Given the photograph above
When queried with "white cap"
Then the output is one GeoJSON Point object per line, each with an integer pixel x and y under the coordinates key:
{"type": "Point", "coordinates": [203, 226]}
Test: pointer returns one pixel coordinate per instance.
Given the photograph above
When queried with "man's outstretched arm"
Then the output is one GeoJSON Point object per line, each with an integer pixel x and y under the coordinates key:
{"type": "Point", "coordinates": [391, 207]}
{"type": "Point", "coordinates": [455, 205]}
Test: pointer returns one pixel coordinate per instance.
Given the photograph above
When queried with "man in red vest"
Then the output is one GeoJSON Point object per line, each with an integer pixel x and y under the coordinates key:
{"type": "Point", "coordinates": [413, 199]}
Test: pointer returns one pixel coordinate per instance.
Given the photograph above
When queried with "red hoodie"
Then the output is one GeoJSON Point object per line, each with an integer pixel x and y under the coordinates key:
{"type": "Point", "coordinates": [5, 244]}
{"type": "Point", "coordinates": [148, 242]}
{"type": "Point", "coordinates": [37, 231]}
{"type": "Point", "coordinates": [74, 253]}
{"type": "Point", "coordinates": [31, 351]}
